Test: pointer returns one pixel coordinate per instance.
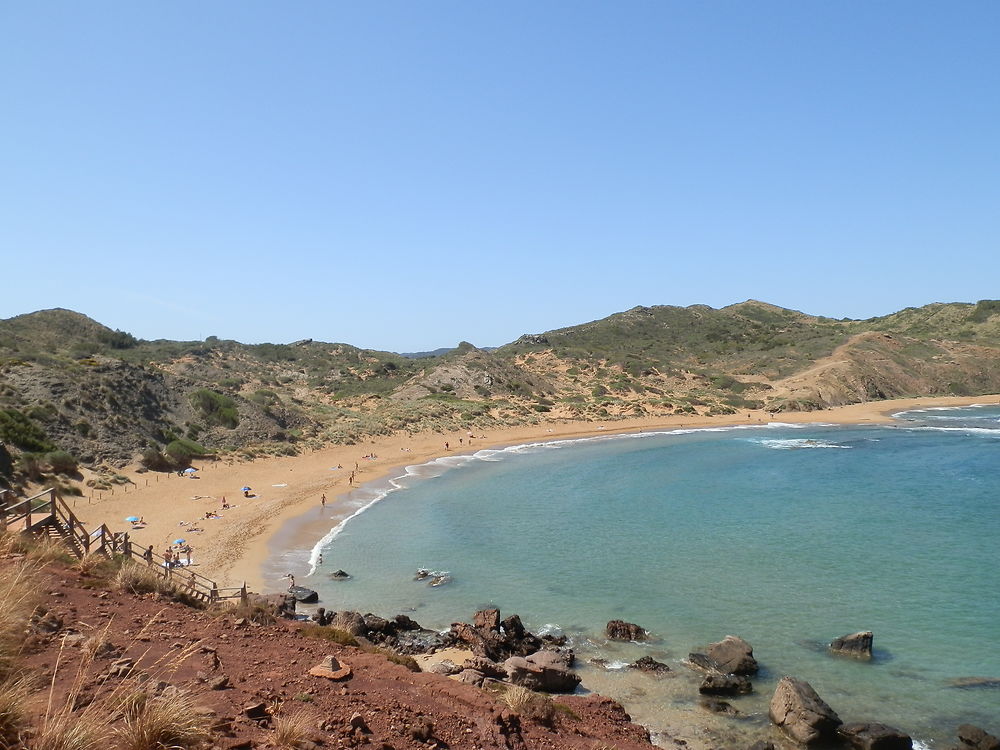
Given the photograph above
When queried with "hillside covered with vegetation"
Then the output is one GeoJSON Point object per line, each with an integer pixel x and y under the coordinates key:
{"type": "Point", "coordinates": [74, 391]}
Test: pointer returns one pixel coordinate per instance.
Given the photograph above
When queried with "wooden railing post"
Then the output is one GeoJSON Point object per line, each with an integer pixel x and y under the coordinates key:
{"type": "Point", "coordinates": [243, 594]}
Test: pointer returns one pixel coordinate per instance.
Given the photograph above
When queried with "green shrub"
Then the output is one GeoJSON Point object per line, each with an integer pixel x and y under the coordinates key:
{"type": "Point", "coordinates": [215, 408]}
{"type": "Point", "coordinates": [19, 430]}
{"type": "Point", "coordinates": [61, 462]}
{"type": "Point", "coordinates": [181, 451]}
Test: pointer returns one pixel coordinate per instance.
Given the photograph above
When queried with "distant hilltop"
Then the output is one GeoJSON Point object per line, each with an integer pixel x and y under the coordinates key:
{"type": "Point", "coordinates": [82, 392]}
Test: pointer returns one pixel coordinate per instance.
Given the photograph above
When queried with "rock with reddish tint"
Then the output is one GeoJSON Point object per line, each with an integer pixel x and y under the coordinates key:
{"type": "Point", "coordinates": [422, 729]}
{"type": "Point", "coordinates": [870, 735]}
{"type": "Point", "coordinates": [619, 630]}
{"type": "Point", "coordinates": [513, 627]}
{"type": "Point", "coordinates": [974, 738]}
{"type": "Point", "coordinates": [487, 619]}
{"type": "Point", "coordinates": [716, 683]}
{"type": "Point", "coordinates": [801, 713]}
{"type": "Point", "coordinates": [854, 644]}
{"type": "Point", "coordinates": [358, 722]}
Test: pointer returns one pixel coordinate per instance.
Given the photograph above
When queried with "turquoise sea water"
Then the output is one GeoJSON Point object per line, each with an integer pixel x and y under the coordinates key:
{"type": "Point", "coordinates": [785, 535]}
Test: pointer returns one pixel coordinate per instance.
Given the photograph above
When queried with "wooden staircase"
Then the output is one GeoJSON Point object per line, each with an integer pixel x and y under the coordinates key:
{"type": "Point", "coordinates": [46, 515]}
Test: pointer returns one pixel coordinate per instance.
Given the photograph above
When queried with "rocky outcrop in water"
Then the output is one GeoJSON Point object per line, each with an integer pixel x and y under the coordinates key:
{"type": "Point", "coordinates": [801, 713]}
{"type": "Point", "coordinates": [619, 630]}
{"type": "Point", "coordinates": [855, 644]}
{"type": "Point", "coordinates": [731, 655]}
{"type": "Point", "coordinates": [871, 735]}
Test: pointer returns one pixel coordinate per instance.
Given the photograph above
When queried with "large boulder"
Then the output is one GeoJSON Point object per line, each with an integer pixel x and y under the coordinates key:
{"type": "Point", "coordinates": [619, 630]}
{"type": "Point", "coordinates": [801, 713]}
{"type": "Point", "coordinates": [974, 738]}
{"type": "Point", "coordinates": [545, 670]}
{"type": "Point", "coordinates": [304, 595]}
{"type": "Point", "coordinates": [349, 622]}
{"type": "Point", "coordinates": [870, 735]}
{"type": "Point", "coordinates": [731, 655]}
{"type": "Point", "coordinates": [854, 644]}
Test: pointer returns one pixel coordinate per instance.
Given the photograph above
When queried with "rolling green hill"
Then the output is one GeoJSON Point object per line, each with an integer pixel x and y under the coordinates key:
{"type": "Point", "coordinates": [69, 385]}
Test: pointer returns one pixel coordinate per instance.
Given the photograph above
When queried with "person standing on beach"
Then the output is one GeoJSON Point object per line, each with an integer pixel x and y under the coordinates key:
{"type": "Point", "coordinates": [322, 500]}
{"type": "Point", "coordinates": [148, 555]}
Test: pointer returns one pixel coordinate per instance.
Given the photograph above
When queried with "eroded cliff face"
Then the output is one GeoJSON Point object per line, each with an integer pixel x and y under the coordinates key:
{"type": "Point", "coordinates": [877, 366]}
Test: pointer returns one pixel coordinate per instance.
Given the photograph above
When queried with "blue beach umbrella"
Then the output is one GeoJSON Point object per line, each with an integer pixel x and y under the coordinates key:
{"type": "Point", "coordinates": [132, 519]}
{"type": "Point", "coordinates": [190, 470]}
{"type": "Point", "coordinates": [245, 489]}
{"type": "Point", "coordinates": [179, 541]}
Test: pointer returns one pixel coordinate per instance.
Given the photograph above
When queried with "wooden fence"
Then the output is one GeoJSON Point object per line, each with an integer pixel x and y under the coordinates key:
{"type": "Point", "coordinates": [46, 514]}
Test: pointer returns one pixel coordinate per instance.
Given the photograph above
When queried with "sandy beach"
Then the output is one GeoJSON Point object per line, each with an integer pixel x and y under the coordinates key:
{"type": "Point", "coordinates": [232, 547]}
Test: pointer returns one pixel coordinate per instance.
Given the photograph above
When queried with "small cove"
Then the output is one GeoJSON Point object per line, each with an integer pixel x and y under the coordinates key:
{"type": "Point", "coordinates": [785, 535]}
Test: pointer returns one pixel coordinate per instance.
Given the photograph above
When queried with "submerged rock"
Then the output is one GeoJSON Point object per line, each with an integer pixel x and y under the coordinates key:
{"type": "Point", "coordinates": [801, 713]}
{"type": "Point", "coordinates": [975, 683]}
{"type": "Point", "coordinates": [716, 683]}
{"type": "Point", "coordinates": [649, 664]}
{"type": "Point", "coordinates": [855, 644]}
{"type": "Point", "coordinates": [974, 738]}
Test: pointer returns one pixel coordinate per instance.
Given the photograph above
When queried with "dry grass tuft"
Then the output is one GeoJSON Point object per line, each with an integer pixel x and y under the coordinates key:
{"type": "Point", "coordinates": [69, 731]}
{"type": "Point", "coordinates": [161, 723]}
{"type": "Point", "coordinates": [14, 690]}
{"type": "Point", "coordinates": [141, 579]}
{"type": "Point", "coordinates": [18, 597]}
{"type": "Point", "coordinates": [530, 704]}
{"type": "Point", "coordinates": [45, 550]}
{"type": "Point", "coordinates": [292, 731]}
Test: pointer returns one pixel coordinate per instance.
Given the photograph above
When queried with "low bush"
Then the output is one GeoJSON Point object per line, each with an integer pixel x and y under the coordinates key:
{"type": "Point", "coordinates": [61, 462]}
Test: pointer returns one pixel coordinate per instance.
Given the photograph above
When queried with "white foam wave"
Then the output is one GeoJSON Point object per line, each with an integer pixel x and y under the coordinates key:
{"type": "Point", "coordinates": [799, 444]}
{"type": "Point", "coordinates": [550, 628]}
{"type": "Point", "coordinates": [616, 665]}
{"type": "Point", "coordinates": [984, 431]}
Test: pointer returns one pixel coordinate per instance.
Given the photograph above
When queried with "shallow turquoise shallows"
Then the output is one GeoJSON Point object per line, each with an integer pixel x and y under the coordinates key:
{"type": "Point", "coordinates": [788, 536]}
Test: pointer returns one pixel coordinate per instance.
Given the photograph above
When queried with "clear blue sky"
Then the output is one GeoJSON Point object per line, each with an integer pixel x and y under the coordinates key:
{"type": "Point", "coordinates": [405, 175]}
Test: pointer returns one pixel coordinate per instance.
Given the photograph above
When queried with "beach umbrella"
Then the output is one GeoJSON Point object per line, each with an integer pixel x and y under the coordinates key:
{"type": "Point", "coordinates": [132, 519]}
{"type": "Point", "coordinates": [180, 541]}
{"type": "Point", "coordinates": [245, 489]}
{"type": "Point", "coordinates": [190, 470]}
